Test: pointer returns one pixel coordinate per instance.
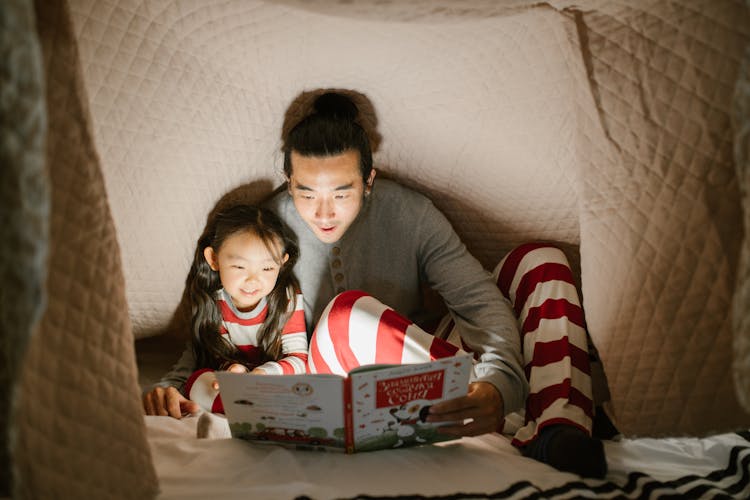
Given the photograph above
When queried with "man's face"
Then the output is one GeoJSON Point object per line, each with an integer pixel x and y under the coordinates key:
{"type": "Point", "coordinates": [328, 192]}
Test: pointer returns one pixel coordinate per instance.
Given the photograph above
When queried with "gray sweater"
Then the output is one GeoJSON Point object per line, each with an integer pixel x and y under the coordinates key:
{"type": "Point", "coordinates": [398, 243]}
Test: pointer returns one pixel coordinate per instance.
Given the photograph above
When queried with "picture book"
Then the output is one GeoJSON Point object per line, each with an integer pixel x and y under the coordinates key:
{"type": "Point", "coordinates": [374, 407]}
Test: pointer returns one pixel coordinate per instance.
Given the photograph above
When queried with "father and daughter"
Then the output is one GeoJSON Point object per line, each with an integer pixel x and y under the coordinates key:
{"type": "Point", "coordinates": [265, 280]}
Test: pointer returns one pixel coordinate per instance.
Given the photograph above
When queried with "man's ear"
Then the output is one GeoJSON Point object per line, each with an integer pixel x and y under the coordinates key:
{"type": "Point", "coordinates": [370, 180]}
{"type": "Point", "coordinates": [210, 256]}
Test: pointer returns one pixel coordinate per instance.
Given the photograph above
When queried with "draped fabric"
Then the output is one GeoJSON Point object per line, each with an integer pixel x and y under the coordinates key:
{"type": "Point", "coordinates": [741, 302]}
{"type": "Point", "coordinates": [24, 210]}
{"type": "Point", "coordinates": [77, 428]}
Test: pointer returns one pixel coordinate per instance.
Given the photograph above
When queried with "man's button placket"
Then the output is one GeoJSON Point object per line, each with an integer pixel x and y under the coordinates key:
{"type": "Point", "coordinates": [336, 264]}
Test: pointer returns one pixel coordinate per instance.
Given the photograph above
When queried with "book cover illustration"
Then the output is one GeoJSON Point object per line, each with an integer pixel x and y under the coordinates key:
{"type": "Point", "coordinates": [375, 407]}
{"type": "Point", "coordinates": [298, 410]}
{"type": "Point", "coordinates": [389, 407]}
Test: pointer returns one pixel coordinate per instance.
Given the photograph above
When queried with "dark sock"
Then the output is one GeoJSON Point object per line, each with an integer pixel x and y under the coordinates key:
{"type": "Point", "coordinates": [603, 428]}
{"type": "Point", "coordinates": [568, 449]}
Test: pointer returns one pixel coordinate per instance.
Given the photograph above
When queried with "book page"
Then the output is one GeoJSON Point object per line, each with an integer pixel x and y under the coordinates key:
{"type": "Point", "coordinates": [289, 409]}
{"type": "Point", "coordinates": [389, 404]}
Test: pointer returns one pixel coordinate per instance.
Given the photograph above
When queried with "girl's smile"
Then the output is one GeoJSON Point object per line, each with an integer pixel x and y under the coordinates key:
{"type": "Point", "coordinates": [247, 268]}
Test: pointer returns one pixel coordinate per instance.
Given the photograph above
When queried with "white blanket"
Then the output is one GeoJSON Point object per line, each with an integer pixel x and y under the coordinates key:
{"type": "Point", "coordinates": [483, 467]}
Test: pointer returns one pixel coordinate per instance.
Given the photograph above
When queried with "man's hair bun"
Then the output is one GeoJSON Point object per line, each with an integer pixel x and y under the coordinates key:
{"type": "Point", "coordinates": [336, 106]}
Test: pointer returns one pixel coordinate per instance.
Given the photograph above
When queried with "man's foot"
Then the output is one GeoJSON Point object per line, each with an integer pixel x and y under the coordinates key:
{"type": "Point", "coordinates": [602, 427]}
{"type": "Point", "coordinates": [568, 449]}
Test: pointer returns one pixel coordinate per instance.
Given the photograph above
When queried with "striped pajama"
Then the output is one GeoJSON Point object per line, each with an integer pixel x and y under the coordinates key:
{"type": "Point", "coordinates": [241, 330]}
{"type": "Point", "coordinates": [356, 329]}
{"type": "Point", "coordinates": [537, 279]}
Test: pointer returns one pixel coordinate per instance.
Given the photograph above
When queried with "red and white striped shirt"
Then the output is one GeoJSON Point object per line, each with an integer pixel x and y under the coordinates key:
{"type": "Point", "coordinates": [241, 329]}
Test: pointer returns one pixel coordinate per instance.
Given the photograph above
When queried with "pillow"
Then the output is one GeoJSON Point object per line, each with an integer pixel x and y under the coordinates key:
{"type": "Point", "coordinates": [660, 210]}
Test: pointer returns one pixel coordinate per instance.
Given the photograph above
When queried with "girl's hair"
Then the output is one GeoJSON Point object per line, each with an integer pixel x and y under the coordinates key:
{"type": "Point", "coordinates": [211, 349]}
{"type": "Point", "coordinates": [329, 130]}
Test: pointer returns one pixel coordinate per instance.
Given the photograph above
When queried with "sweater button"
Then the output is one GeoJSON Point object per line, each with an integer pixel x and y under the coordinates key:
{"type": "Point", "coordinates": [339, 277]}
{"type": "Point", "coordinates": [340, 289]}
{"type": "Point", "coordinates": [336, 250]}
{"type": "Point", "coordinates": [336, 263]}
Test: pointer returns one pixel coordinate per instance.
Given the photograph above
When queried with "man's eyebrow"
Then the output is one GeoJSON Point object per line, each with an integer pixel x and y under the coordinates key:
{"type": "Point", "coordinates": [343, 187]}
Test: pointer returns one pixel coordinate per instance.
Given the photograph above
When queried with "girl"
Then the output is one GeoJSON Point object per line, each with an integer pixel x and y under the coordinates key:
{"type": "Point", "coordinates": [246, 312]}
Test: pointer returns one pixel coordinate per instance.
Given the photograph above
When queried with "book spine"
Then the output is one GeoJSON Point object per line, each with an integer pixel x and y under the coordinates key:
{"type": "Point", "coordinates": [348, 419]}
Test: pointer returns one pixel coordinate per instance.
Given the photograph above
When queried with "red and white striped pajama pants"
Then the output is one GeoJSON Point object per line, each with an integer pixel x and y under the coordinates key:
{"type": "Point", "coordinates": [199, 389]}
{"type": "Point", "coordinates": [537, 280]}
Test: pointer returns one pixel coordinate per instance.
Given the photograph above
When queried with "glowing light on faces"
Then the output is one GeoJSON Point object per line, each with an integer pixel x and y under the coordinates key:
{"type": "Point", "coordinates": [247, 269]}
{"type": "Point", "coordinates": [328, 192]}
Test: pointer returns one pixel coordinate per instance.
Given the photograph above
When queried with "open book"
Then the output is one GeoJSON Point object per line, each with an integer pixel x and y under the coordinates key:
{"type": "Point", "coordinates": [374, 407]}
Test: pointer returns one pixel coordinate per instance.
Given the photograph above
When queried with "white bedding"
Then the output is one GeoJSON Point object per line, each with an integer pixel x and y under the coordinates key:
{"type": "Point", "coordinates": [483, 467]}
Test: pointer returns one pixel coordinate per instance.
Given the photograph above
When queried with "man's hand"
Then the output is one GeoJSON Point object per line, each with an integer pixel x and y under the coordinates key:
{"type": "Point", "coordinates": [165, 401]}
{"type": "Point", "coordinates": [483, 405]}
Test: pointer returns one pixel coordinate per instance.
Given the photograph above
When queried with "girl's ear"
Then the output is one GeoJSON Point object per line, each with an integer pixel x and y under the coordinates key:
{"type": "Point", "coordinates": [210, 256]}
{"type": "Point", "coordinates": [284, 259]}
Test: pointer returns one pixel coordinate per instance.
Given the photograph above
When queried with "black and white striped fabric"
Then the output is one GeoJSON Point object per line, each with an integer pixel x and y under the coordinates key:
{"type": "Point", "coordinates": [731, 482]}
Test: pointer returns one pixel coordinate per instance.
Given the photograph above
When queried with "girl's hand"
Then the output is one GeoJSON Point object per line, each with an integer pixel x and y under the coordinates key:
{"type": "Point", "coordinates": [237, 368]}
{"type": "Point", "coordinates": [234, 368]}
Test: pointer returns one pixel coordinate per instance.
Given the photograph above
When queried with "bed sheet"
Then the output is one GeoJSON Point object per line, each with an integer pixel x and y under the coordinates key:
{"type": "Point", "coordinates": [482, 467]}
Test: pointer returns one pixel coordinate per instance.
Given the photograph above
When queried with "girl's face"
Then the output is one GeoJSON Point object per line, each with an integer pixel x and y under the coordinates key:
{"type": "Point", "coordinates": [247, 270]}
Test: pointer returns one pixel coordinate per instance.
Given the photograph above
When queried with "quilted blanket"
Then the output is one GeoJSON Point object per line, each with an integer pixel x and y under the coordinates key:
{"type": "Point", "coordinates": [75, 422]}
{"type": "Point", "coordinates": [618, 130]}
